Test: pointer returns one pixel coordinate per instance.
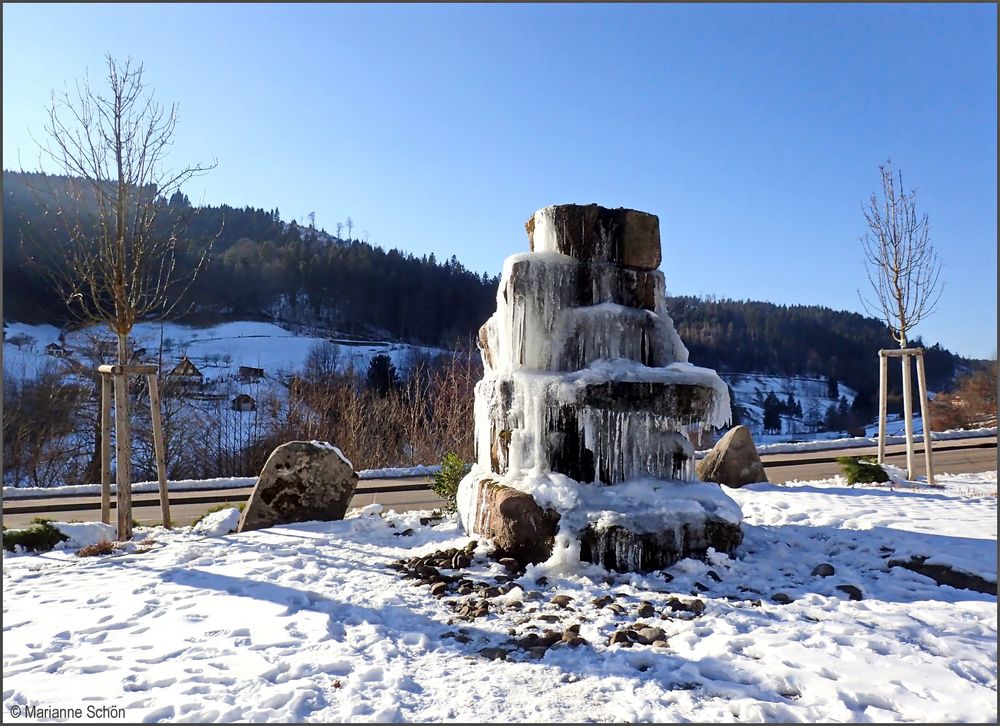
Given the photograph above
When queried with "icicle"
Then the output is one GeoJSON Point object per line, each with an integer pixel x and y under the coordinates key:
{"type": "Point", "coordinates": [567, 366]}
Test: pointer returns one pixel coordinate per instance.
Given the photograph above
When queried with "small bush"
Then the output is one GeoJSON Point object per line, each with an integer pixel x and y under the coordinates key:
{"type": "Point", "coordinates": [862, 470]}
{"type": "Point", "coordinates": [446, 481]}
{"type": "Point", "coordinates": [39, 536]}
{"type": "Point", "coordinates": [104, 547]}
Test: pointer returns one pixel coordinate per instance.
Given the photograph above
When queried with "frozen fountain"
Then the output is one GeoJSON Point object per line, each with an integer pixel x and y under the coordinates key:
{"type": "Point", "coordinates": [582, 413]}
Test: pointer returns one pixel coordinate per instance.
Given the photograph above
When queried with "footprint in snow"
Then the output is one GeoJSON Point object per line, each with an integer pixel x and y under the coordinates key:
{"type": "Point", "coordinates": [133, 684]}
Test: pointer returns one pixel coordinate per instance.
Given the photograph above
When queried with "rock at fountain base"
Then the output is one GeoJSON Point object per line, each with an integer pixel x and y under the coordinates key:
{"type": "Point", "coordinates": [671, 525]}
{"type": "Point", "coordinates": [518, 526]}
{"type": "Point", "coordinates": [622, 550]}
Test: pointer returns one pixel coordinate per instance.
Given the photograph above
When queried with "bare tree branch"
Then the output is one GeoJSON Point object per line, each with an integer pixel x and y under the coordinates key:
{"type": "Point", "coordinates": [902, 267]}
{"type": "Point", "coordinates": [119, 264]}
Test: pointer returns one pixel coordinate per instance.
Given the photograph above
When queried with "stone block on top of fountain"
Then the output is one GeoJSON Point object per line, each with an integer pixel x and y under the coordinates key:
{"type": "Point", "coordinates": [590, 232]}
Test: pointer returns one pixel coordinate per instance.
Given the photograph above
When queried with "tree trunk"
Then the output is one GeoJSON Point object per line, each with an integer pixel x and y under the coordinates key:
{"type": "Point", "coordinates": [124, 449]}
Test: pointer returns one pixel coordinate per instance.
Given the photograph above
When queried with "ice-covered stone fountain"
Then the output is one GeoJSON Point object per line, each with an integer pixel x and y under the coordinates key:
{"type": "Point", "coordinates": [582, 413]}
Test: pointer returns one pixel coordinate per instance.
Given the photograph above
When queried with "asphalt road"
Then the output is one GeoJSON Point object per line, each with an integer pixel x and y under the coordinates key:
{"type": "Point", "coordinates": [958, 456]}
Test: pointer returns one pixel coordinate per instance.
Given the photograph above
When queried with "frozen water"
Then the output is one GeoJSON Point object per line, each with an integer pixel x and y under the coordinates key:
{"type": "Point", "coordinates": [587, 383]}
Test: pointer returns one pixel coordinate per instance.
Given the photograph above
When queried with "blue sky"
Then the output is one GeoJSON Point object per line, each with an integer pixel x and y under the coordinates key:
{"type": "Point", "coordinates": [753, 131]}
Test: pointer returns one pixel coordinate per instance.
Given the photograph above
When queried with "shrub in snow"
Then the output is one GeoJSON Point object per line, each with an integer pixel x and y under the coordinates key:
{"type": "Point", "coordinates": [859, 469]}
{"type": "Point", "coordinates": [446, 481]}
{"type": "Point", "coordinates": [83, 534]}
{"type": "Point", "coordinates": [40, 536]}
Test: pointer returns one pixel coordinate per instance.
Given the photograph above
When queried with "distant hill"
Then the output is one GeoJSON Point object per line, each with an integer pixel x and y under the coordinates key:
{"type": "Point", "coordinates": [261, 267]}
{"type": "Point", "coordinates": [264, 268]}
{"type": "Point", "coordinates": [799, 340]}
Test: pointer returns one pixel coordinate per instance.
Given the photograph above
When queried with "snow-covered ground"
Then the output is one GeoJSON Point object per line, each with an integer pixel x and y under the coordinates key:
{"type": "Point", "coordinates": [307, 622]}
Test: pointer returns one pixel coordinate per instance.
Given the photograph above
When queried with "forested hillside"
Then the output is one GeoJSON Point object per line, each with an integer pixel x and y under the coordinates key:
{"type": "Point", "coordinates": [744, 336]}
{"type": "Point", "coordinates": [261, 267]}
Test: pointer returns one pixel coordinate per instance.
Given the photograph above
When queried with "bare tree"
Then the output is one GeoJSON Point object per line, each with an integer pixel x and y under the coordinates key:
{"type": "Point", "coordinates": [118, 264]}
{"type": "Point", "coordinates": [902, 266]}
{"type": "Point", "coordinates": [350, 228]}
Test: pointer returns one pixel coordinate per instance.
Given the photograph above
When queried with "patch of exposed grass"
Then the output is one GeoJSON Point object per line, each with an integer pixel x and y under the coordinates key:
{"type": "Point", "coordinates": [104, 547]}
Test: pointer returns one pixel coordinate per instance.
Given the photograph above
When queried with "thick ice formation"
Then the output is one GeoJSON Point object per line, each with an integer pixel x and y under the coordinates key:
{"type": "Point", "coordinates": [587, 383]}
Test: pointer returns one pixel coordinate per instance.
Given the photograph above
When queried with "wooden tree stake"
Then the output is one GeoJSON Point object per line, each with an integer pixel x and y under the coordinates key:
{"type": "Point", "coordinates": [905, 354]}
{"type": "Point", "coordinates": [908, 416]}
{"type": "Point", "coordinates": [883, 404]}
{"type": "Point", "coordinates": [926, 418]}
{"type": "Point", "coordinates": [105, 449]}
{"type": "Point", "coordinates": [161, 465]}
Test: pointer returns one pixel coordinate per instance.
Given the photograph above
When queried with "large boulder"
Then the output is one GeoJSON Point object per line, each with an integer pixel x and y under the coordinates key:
{"type": "Point", "coordinates": [733, 461]}
{"type": "Point", "coordinates": [301, 481]}
{"type": "Point", "coordinates": [518, 526]}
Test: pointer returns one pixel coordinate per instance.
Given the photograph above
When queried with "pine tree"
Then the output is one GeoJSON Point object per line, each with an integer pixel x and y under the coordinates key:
{"type": "Point", "coordinates": [772, 414]}
{"type": "Point", "coordinates": [382, 376]}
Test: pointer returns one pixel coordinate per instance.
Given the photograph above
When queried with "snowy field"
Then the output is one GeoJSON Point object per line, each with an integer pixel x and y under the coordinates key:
{"type": "Point", "coordinates": [218, 350]}
{"type": "Point", "coordinates": [307, 622]}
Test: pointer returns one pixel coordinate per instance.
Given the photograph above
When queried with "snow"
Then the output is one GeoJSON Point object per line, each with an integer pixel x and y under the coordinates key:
{"type": "Point", "coordinates": [216, 524]}
{"type": "Point", "coordinates": [305, 623]}
{"type": "Point", "coordinates": [399, 472]}
{"type": "Point", "coordinates": [42, 335]}
{"type": "Point", "coordinates": [750, 390]}
{"type": "Point", "coordinates": [330, 447]}
{"type": "Point", "coordinates": [83, 534]}
{"type": "Point", "coordinates": [144, 487]}
{"type": "Point", "coordinates": [28, 360]}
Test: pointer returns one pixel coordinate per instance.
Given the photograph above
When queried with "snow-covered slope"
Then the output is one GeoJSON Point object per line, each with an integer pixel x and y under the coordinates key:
{"type": "Point", "coordinates": [24, 345]}
{"type": "Point", "coordinates": [307, 623]}
{"type": "Point", "coordinates": [750, 390]}
{"type": "Point", "coordinates": [218, 350]}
